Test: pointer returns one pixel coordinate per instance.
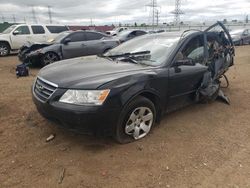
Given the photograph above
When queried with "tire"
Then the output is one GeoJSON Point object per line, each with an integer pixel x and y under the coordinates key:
{"type": "Point", "coordinates": [4, 49]}
{"type": "Point", "coordinates": [132, 126]}
{"type": "Point", "coordinates": [48, 58]}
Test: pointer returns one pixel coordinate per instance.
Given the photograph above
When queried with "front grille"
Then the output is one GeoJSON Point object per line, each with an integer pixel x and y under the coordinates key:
{"type": "Point", "coordinates": [43, 89]}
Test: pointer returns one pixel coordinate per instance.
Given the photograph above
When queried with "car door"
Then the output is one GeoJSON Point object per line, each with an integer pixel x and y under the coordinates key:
{"type": "Point", "coordinates": [20, 36]}
{"type": "Point", "coordinates": [39, 34]}
{"type": "Point", "coordinates": [184, 80]}
{"type": "Point", "coordinates": [75, 47]}
{"type": "Point", "coordinates": [93, 44]}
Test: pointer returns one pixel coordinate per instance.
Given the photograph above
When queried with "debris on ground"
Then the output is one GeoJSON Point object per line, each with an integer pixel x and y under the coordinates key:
{"type": "Point", "coordinates": [51, 137]}
{"type": "Point", "coordinates": [61, 177]}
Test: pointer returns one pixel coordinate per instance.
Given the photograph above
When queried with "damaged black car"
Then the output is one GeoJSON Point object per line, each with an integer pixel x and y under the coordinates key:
{"type": "Point", "coordinates": [126, 91]}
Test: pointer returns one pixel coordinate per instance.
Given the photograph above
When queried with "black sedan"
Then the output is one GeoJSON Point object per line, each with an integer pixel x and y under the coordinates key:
{"type": "Point", "coordinates": [240, 36]}
{"type": "Point", "coordinates": [125, 91]}
{"type": "Point", "coordinates": [67, 45]}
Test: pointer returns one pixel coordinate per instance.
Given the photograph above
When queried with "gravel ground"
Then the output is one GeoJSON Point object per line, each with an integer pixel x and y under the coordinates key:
{"type": "Point", "coordinates": [203, 145]}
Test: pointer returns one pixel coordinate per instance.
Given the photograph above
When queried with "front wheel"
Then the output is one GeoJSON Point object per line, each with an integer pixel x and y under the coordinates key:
{"type": "Point", "coordinates": [136, 120]}
{"type": "Point", "coordinates": [4, 49]}
{"type": "Point", "coordinates": [49, 57]}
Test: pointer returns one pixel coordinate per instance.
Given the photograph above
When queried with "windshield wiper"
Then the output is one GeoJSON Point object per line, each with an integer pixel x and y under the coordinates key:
{"type": "Point", "coordinates": [128, 58]}
{"type": "Point", "coordinates": [129, 54]}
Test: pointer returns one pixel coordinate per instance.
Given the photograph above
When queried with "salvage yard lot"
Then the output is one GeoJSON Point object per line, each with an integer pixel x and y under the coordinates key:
{"type": "Point", "coordinates": [203, 145]}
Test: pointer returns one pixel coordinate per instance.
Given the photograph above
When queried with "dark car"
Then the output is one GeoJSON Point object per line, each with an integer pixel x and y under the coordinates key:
{"type": "Point", "coordinates": [128, 89]}
{"type": "Point", "coordinates": [129, 34]}
{"type": "Point", "coordinates": [67, 45]}
{"type": "Point", "coordinates": [240, 36]}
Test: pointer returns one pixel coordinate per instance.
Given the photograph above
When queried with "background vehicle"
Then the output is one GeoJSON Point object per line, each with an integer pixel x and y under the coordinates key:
{"type": "Point", "coordinates": [17, 35]}
{"type": "Point", "coordinates": [241, 36]}
{"type": "Point", "coordinates": [129, 34]}
{"type": "Point", "coordinates": [126, 91]}
{"type": "Point", "coordinates": [116, 31]}
{"type": "Point", "coordinates": [67, 45]}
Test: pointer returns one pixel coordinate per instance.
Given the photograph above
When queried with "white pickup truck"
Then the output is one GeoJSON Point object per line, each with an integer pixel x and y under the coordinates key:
{"type": "Point", "coordinates": [17, 35]}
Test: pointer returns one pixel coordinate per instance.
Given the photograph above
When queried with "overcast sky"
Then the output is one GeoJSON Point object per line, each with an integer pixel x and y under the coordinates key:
{"type": "Point", "coordinates": [124, 11]}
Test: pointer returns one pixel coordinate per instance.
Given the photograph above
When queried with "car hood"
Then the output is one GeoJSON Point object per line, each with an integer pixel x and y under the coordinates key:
{"type": "Point", "coordinates": [3, 36]}
{"type": "Point", "coordinates": [88, 72]}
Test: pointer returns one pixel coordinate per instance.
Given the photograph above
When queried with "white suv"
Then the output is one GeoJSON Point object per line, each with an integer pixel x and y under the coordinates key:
{"type": "Point", "coordinates": [16, 35]}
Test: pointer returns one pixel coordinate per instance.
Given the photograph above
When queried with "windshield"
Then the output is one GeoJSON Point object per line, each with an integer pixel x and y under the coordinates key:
{"type": "Point", "coordinates": [159, 46]}
{"type": "Point", "coordinates": [9, 29]}
{"type": "Point", "coordinates": [236, 32]}
{"type": "Point", "coordinates": [59, 37]}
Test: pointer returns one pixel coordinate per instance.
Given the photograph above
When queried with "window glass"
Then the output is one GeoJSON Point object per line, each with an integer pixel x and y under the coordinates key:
{"type": "Point", "coordinates": [23, 30]}
{"type": "Point", "coordinates": [160, 48]}
{"type": "Point", "coordinates": [57, 29]}
{"type": "Point", "coordinates": [93, 36]}
{"type": "Point", "coordinates": [77, 37]}
{"type": "Point", "coordinates": [37, 29]}
{"type": "Point", "coordinates": [194, 50]}
{"type": "Point", "coordinates": [138, 33]}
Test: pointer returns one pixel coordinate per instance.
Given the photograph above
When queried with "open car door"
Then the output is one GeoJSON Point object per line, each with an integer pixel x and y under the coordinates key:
{"type": "Point", "coordinates": [219, 56]}
{"type": "Point", "coordinates": [224, 52]}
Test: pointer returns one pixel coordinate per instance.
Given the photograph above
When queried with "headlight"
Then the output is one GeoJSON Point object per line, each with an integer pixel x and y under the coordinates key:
{"type": "Point", "coordinates": [85, 97]}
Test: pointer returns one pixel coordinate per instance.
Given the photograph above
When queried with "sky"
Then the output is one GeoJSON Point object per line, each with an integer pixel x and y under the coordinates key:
{"type": "Point", "coordinates": [101, 12]}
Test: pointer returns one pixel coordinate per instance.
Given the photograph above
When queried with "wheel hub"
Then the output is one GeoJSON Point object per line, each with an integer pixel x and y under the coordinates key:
{"type": "Point", "coordinates": [139, 122]}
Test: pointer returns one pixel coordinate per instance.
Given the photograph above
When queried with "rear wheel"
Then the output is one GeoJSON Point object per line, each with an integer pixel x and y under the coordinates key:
{"type": "Point", "coordinates": [49, 57]}
{"type": "Point", "coordinates": [136, 120]}
{"type": "Point", "coordinates": [4, 49]}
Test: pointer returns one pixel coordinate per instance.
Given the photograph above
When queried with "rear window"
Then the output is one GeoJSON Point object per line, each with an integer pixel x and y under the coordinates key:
{"type": "Point", "coordinates": [37, 29]}
{"type": "Point", "coordinates": [57, 29]}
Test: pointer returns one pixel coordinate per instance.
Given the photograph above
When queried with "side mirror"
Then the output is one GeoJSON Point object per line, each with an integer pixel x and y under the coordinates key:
{"type": "Point", "coordinates": [186, 62]}
{"type": "Point", "coordinates": [16, 32]}
{"type": "Point", "coordinates": [66, 41]}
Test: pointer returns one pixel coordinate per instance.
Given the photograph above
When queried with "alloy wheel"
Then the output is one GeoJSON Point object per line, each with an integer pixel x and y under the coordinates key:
{"type": "Point", "coordinates": [4, 50]}
{"type": "Point", "coordinates": [139, 123]}
{"type": "Point", "coordinates": [49, 58]}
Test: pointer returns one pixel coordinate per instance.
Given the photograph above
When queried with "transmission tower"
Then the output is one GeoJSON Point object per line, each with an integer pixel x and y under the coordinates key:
{"type": "Point", "coordinates": [33, 14]}
{"type": "Point", "coordinates": [50, 14]}
{"type": "Point", "coordinates": [177, 12]}
{"type": "Point", "coordinates": [154, 9]}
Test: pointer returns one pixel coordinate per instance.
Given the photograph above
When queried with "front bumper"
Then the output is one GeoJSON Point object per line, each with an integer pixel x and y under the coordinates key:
{"type": "Point", "coordinates": [33, 58]}
{"type": "Point", "coordinates": [81, 119]}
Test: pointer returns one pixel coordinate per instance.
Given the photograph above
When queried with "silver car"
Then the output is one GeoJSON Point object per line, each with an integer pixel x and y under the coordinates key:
{"type": "Point", "coordinates": [240, 36]}
{"type": "Point", "coordinates": [67, 45]}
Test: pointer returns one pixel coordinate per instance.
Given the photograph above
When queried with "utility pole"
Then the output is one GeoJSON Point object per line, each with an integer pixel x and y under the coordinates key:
{"type": "Point", "coordinates": [157, 17]}
{"type": "Point", "coordinates": [50, 14]}
{"type": "Point", "coordinates": [91, 22]}
{"type": "Point", "coordinates": [33, 14]}
{"type": "Point", "coordinates": [14, 18]}
{"type": "Point", "coordinates": [3, 18]}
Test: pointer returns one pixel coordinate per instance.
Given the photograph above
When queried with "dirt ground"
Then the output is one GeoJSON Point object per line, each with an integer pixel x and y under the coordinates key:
{"type": "Point", "coordinates": [204, 145]}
